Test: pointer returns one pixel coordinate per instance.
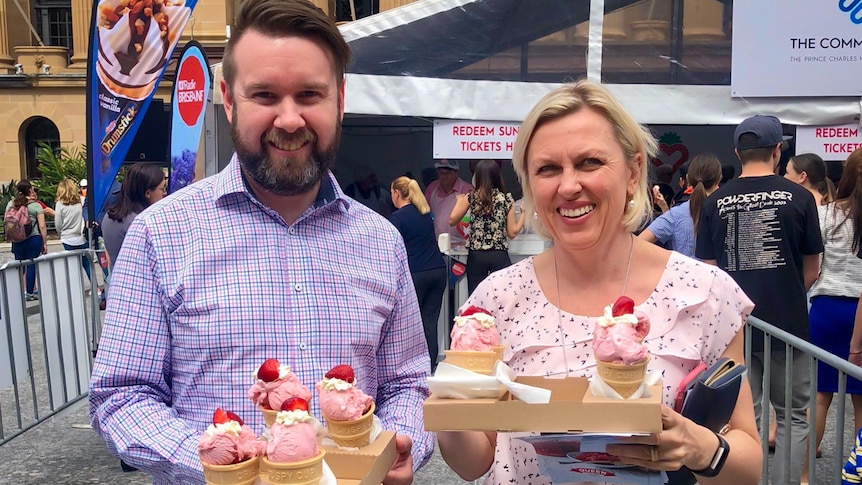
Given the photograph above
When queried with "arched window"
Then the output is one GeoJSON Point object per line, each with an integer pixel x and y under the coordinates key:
{"type": "Point", "coordinates": [38, 130]}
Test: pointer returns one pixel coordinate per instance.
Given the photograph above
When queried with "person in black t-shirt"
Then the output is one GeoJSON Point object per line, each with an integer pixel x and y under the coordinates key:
{"type": "Point", "coordinates": [764, 231]}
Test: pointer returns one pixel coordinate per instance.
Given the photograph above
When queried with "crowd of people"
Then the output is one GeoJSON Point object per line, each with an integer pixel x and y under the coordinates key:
{"type": "Point", "coordinates": [270, 258]}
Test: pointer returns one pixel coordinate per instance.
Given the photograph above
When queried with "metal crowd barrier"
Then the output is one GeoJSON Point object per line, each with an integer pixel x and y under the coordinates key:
{"type": "Point", "coordinates": [814, 355]}
{"type": "Point", "coordinates": [46, 348]}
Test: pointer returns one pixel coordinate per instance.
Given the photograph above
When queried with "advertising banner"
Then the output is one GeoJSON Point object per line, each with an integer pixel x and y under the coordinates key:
{"type": "Point", "coordinates": [797, 48]}
{"type": "Point", "coordinates": [467, 139]}
{"type": "Point", "coordinates": [832, 143]}
{"type": "Point", "coordinates": [131, 42]}
{"type": "Point", "coordinates": [191, 89]}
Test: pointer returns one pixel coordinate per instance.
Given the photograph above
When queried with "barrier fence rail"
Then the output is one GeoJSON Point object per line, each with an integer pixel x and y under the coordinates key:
{"type": "Point", "coordinates": [813, 355]}
{"type": "Point", "coordinates": [46, 346]}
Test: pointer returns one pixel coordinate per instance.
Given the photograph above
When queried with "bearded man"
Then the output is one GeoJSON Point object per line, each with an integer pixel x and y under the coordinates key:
{"type": "Point", "coordinates": [267, 259]}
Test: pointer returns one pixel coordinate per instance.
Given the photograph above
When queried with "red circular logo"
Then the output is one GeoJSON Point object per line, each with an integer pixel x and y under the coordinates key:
{"type": "Point", "coordinates": [190, 95]}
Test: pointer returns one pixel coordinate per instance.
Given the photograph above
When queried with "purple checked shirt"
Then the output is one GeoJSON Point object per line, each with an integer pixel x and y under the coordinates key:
{"type": "Point", "coordinates": [210, 282]}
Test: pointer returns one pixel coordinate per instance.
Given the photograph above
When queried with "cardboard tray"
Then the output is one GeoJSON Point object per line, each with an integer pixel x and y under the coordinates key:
{"type": "Point", "coordinates": [572, 409]}
{"type": "Point", "coordinates": [367, 465]}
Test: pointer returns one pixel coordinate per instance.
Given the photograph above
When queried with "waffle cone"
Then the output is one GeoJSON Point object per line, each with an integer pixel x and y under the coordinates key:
{"type": "Point", "coordinates": [306, 472]}
{"type": "Point", "coordinates": [478, 361]}
{"type": "Point", "coordinates": [244, 473]}
{"type": "Point", "coordinates": [355, 433]}
{"type": "Point", "coordinates": [623, 378]}
{"type": "Point", "coordinates": [269, 415]}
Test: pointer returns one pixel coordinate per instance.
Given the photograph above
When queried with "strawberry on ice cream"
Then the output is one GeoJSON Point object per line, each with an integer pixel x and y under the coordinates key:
{"type": "Point", "coordinates": [620, 333]}
{"type": "Point", "coordinates": [340, 398]}
{"type": "Point", "coordinates": [274, 384]}
{"type": "Point", "coordinates": [293, 437]}
{"type": "Point", "coordinates": [228, 441]}
{"type": "Point", "coordinates": [475, 329]}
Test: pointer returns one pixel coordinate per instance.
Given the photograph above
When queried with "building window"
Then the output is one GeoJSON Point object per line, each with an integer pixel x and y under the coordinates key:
{"type": "Point", "coordinates": [53, 21]}
{"type": "Point", "coordinates": [38, 130]}
{"type": "Point", "coordinates": [363, 8]}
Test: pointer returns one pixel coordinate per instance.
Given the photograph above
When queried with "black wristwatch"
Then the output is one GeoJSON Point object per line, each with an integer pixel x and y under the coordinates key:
{"type": "Point", "coordinates": [717, 462]}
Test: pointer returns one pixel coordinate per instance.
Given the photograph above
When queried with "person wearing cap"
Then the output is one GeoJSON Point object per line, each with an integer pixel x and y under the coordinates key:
{"type": "Point", "coordinates": [764, 231]}
{"type": "Point", "coordinates": [441, 195]}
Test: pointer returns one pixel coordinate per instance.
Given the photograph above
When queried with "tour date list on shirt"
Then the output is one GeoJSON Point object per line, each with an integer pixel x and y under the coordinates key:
{"type": "Point", "coordinates": [753, 213]}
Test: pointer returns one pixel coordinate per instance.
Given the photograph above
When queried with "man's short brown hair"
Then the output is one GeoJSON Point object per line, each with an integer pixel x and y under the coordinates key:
{"type": "Point", "coordinates": [282, 18]}
{"type": "Point", "coordinates": [754, 154]}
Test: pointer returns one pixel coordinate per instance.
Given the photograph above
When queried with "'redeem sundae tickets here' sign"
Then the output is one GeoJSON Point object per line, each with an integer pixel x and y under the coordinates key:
{"type": "Point", "coordinates": [191, 89]}
{"type": "Point", "coordinates": [131, 42]}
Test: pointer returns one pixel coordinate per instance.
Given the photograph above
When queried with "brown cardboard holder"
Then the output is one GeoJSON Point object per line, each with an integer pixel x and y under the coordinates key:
{"type": "Point", "coordinates": [244, 473]}
{"type": "Point", "coordinates": [478, 361]}
{"type": "Point", "coordinates": [625, 379]}
{"type": "Point", "coordinates": [572, 408]}
{"type": "Point", "coordinates": [305, 472]}
{"type": "Point", "coordinates": [365, 466]}
{"type": "Point", "coordinates": [353, 434]}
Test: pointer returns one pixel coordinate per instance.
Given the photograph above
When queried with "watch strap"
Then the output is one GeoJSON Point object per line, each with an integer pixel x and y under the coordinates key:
{"type": "Point", "coordinates": [718, 459]}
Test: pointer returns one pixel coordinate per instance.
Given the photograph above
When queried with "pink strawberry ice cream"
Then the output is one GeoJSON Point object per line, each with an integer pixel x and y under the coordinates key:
{"type": "Point", "coordinates": [271, 394]}
{"type": "Point", "coordinates": [341, 400]}
{"type": "Point", "coordinates": [293, 437]}
{"type": "Point", "coordinates": [229, 443]}
{"type": "Point", "coordinates": [475, 329]}
{"type": "Point", "coordinates": [619, 336]}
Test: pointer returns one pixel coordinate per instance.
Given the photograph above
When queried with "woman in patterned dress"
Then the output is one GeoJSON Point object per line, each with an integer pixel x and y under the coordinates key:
{"type": "Point", "coordinates": [581, 159]}
{"type": "Point", "coordinates": [492, 223]}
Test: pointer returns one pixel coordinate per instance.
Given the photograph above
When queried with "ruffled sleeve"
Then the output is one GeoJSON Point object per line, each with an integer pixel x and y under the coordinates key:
{"type": "Point", "coordinates": [696, 311]}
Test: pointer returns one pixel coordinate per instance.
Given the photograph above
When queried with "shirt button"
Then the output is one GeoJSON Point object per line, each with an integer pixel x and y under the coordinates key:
{"type": "Point", "coordinates": [298, 287]}
{"type": "Point", "coordinates": [292, 231]}
{"type": "Point", "coordinates": [302, 346]}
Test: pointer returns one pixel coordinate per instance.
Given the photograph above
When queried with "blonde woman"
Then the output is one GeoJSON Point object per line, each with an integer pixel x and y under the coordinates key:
{"type": "Point", "coordinates": [69, 219]}
{"type": "Point", "coordinates": [412, 218]}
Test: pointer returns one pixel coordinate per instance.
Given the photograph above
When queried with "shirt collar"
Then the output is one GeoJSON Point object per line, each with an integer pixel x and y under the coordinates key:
{"type": "Point", "coordinates": [230, 181]}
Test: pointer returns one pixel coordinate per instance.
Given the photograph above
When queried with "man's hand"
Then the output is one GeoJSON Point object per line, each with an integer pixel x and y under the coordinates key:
{"type": "Point", "coordinates": [401, 472]}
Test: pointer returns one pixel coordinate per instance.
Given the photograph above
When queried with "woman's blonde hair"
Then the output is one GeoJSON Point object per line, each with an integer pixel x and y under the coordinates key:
{"type": "Point", "coordinates": [634, 139]}
{"type": "Point", "coordinates": [67, 192]}
{"type": "Point", "coordinates": [410, 191]}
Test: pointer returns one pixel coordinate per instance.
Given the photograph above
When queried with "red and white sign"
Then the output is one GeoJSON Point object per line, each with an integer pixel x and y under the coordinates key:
{"type": "Point", "coordinates": [832, 143]}
{"type": "Point", "coordinates": [467, 139]}
{"type": "Point", "coordinates": [190, 95]}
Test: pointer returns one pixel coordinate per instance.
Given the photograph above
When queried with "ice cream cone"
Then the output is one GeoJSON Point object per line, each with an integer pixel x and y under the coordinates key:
{"type": "Point", "coordinates": [353, 434]}
{"type": "Point", "coordinates": [268, 415]}
{"type": "Point", "coordinates": [306, 472]}
{"type": "Point", "coordinates": [625, 379]}
{"type": "Point", "coordinates": [244, 473]}
{"type": "Point", "coordinates": [478, 361]}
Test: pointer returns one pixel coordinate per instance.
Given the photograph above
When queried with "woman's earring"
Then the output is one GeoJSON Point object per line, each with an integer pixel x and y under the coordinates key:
{"type": "Point", "coordinates": [632, 204]}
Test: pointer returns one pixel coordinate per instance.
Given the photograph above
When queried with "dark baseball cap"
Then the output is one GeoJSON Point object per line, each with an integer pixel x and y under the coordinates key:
{"type": "Point", "coordinates": [767, 129]}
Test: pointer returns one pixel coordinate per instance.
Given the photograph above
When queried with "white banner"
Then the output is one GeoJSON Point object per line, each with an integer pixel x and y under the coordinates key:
{"type": "Point", "coordinates": [797, 48]}
{"type": "Point", "coordinates": [474, 139]}
{"type": "Point", "coordinates": [832, 143]}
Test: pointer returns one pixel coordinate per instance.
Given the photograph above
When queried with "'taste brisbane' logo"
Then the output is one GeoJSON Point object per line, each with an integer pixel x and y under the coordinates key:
{"type": "Point", "coordinates": [854, 8]}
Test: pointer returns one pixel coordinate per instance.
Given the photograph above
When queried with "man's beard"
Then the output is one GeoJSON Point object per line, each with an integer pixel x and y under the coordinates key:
{"type": "Point", "coordinates": [288, 175]}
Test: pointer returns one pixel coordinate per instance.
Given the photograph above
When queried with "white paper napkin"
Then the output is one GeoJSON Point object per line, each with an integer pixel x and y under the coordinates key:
{"type": "Point", "coordinates": [454, 382]}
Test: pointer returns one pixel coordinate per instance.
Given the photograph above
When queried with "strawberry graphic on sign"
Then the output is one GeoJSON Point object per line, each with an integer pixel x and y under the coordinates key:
{"type": "Point", "coordinates": [672, 151]}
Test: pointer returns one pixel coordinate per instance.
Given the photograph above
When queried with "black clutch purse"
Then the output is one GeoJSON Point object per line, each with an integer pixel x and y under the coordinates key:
{"type": "Point", "coordinates": [708, 397]}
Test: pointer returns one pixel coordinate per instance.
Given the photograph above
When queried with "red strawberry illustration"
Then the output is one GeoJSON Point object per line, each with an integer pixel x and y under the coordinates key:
{"type": "Point", "coordinates": [234, 417]}
{"type": "Point", "coordinates": [343, 372]}
{"type": "Point", "coordinates": [268, 371]}
{"type": "Point", "coordinates": [220, 416]}
{"type": "Point", "coordinates": [623, 306]}
{"type": "Point", "coordinates": [673, 151]}
{"type": "Point", "coordinates": [294, 404]}
{"type": "Point", "coordinates": [472, 310]}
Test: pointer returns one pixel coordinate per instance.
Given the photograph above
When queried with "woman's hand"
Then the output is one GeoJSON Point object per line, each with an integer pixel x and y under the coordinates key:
{"type": "Point", "coordinates": [681, 443]}
{"type": "Point", "coordinates": [659, 199]}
